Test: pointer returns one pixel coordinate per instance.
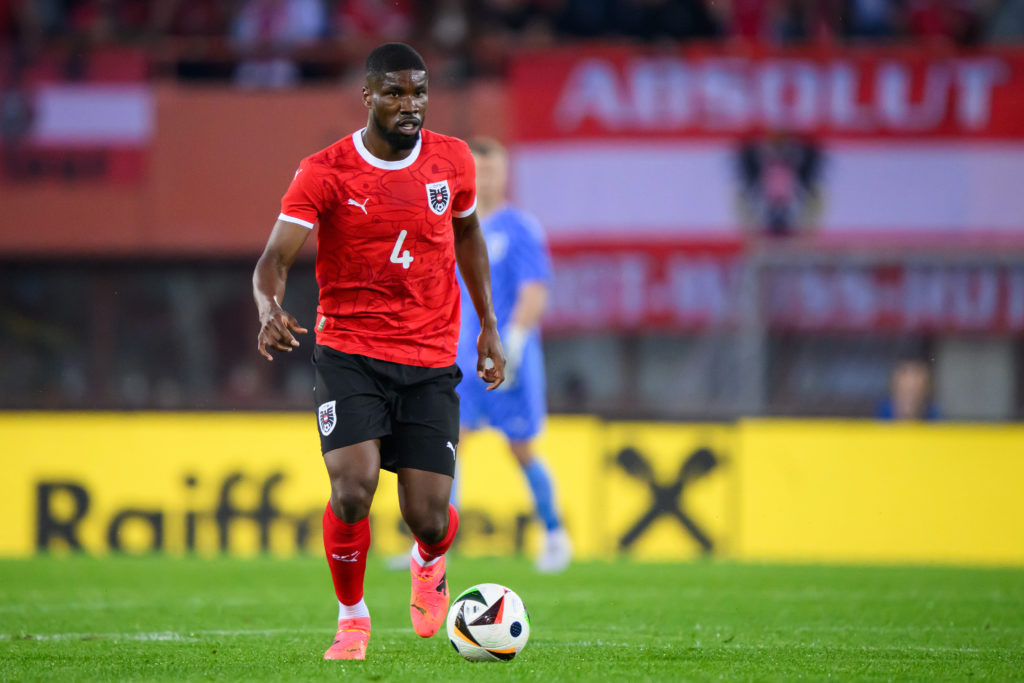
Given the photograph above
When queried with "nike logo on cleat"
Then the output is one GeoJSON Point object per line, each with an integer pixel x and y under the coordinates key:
{"type": "Point", "coordinates": [443, 584]}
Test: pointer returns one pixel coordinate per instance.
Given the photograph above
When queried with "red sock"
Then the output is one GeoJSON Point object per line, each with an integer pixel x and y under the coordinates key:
{"type": "Point", "coordinates": [346, 545]}
{"type": "Point", "coordinates": [432, 552]}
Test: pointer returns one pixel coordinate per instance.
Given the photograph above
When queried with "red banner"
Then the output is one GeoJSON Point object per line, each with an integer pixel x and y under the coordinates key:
{"type": "Point", "coordinates": [704, 92]}
{"type": "Point", "coordinates": [78, 118]}
{"type": "Point", "coordinates": [622, 286]}
{"type": "Point", "coordinates": [213, 173]}
{"type": "Point", "coordinates": [693, 289]}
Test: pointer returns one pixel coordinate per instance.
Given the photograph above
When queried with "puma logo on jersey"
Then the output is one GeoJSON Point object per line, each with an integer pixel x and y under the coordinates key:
{"type": "Point", "coordinates": [361, 206]}
{"type": "Point", "coordinates": [449, 445]}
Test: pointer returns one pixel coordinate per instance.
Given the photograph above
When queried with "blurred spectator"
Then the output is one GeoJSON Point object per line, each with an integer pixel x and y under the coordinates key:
{"type": "Point", "coordinates": [103, 22]}
{"type": "Point", "coordinates": [358, 26]}
{"type": "Point", "coordinates": [516, 16]}
{"type": "Point", "coordinates": [265, 32]}
{"type": "Point", "coordinates": [375, 20]}
{"type": "Point", "coordinates": [910, 393]}
{"type": "Point", "coordinates": [780, 21]}
{"type": "Point", "coordinates": [499, 26]}
{"type": "Point", "coordinates": [277, 43]}
{"type": "Point", "coordinates": [449, 25]}
{"type": "Point", "coordinates": [448, 33]}
{"type": "Point", "coordinates": [1006, 21]}
{"type": "Point", "coordinates": [804, 21]}
{"type": "Point", "coordinates": [747, 20]}
{"type": "Point", "coordinates": [10, 19]}
{"type": "Point", "coordinates": [586, 18]}
{"type": "Point", "coordinates": [871, 18]}
{"type": "Point", "coordinates": [779, 185]}
{"type": "Point", "coordinates": [955, 20]}
{"type": "Point", "coordinates": [31, 23]}
{"type": "Point", "coordinates": [650, 20]}
{"type": "Point", "coordinates": [16, 108]}
{"type": "Point", "coordinates": [190, 18]}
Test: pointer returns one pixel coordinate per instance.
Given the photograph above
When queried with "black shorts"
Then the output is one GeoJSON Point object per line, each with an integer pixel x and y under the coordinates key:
{"type": "Point", "coordinates": [414, 411]}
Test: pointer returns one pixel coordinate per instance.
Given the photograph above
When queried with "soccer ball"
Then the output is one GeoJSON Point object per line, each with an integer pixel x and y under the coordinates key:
{"type": "Point", "coordinates": [488, 623]}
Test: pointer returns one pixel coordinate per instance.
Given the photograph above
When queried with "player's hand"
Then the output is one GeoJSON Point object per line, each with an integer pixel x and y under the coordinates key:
{"type": "Point", "coordinates": [513, 340]}
{"type": "Point", "coordinates": [276, 328]}
{"type": "Point", "coordinates": [490, 360]}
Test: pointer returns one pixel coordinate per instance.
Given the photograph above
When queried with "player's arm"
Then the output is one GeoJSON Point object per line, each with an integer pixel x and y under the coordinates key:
{"type": "Point", "coordinates": [471, 255]}
{"type": "Point", "coordinates": [528, 254]}
{"type": "Point", "coordinates": [531, 301]}
{"type": "Point", "coordinates": [268, 283]}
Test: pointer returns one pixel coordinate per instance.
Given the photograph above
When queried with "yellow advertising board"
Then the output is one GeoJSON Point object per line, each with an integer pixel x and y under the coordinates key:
{"type": "Point", "coordinates": [246, 484]}
{"type": "Point", "coordinates": [495, 507]}
{"type": "Point", "coordinates": [666, 490]}
{"type": "Point", "coordinates": [880, 492]}
{"type": "Point", "coordinates": [175, 482]}
{"type": "Point", "coordinates": [759, 489]}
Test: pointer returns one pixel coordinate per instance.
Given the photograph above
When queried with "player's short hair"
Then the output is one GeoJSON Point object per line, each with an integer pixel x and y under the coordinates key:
{"type": "Point", "coordinates": [393, 57]}
{"type": "Point", "coordinates": [485, 146]}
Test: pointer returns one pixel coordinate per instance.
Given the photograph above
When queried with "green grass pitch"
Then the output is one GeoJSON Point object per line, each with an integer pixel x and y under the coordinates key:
{"type": "Point", "coordinates": [162, 619]}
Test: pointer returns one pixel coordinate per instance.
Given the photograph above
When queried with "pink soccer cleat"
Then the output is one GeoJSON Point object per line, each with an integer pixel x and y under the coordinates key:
{"type": "Point", "coordinates": [428, 606]}
{"type": "Point", "coordinates": [351, 639]}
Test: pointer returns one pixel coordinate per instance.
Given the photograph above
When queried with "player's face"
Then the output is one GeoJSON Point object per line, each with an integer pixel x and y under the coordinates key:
{"type": "Point", "coordinates": [911, 384]}
{"type": "Point", "coordinates": [491, 176]}
{"type": "Point", "coordinates": [398, 103]}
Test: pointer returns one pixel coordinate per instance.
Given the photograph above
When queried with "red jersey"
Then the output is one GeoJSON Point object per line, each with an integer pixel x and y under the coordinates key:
{"type": "Point", "coordinates": [385, 260]}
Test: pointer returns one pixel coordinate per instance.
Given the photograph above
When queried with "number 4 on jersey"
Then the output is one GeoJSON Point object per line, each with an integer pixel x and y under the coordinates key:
{"type": "Point", "coordinates": [406, 258]}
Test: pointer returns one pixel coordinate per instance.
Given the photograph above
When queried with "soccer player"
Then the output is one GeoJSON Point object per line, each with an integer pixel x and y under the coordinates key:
{"type": "Point", "coordinates": [396, 204]}
{"type": "Point", "coordinates": [910, 397]}
{"type": "Point", "coordinates": [520, 271]}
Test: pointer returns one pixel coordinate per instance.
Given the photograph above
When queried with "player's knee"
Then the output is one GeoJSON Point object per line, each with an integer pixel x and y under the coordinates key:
{"type": "Point", "coordinates": [351, 500]}
{"type": "Point", "coordinates": [522, 451]}
{"type": "Point", "coordinates": [429, 525]}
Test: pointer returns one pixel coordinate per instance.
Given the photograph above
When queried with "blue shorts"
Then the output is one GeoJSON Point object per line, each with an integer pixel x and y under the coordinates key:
{"type": "Point", "coordinates": [518, 412]}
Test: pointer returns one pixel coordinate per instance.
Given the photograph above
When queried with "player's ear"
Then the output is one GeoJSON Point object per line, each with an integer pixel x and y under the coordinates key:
{"type": "Point", "coordinates": [366, 97]}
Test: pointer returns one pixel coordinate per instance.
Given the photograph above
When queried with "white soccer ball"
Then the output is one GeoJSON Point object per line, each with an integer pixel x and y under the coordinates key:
{"type": "Point", "coordinates": [488, 623]}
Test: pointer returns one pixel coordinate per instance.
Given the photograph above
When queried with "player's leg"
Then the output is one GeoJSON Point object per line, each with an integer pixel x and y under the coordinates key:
{"type": "Point", "coordinates": [354, 472]}
{"type": "Point", "coordinates": [401, 562]}
{"type": "Point", "coordinates": [539, 481]}
{"type": "Point", "coordinates": [556, 552]}
{"type": "Point", "coordinates": [424, 442]}
{"type": "Point", "coordinates": [352, 417]}
{"type": "Point", "coordinates": [423, 498]}
{"type": "Point", "coordinates": [519, 413]}
{"type": "Point", "coordinates": [472, 394]}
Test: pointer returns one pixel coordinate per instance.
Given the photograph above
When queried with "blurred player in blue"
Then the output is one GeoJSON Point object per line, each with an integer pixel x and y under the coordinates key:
{"type": "Point", "coordinates": [910, 397]}
{"type": "Point", "coordinates": [520, 273]}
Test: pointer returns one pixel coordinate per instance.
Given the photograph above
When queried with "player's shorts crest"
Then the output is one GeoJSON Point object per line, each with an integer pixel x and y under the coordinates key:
{"type": "Point", "coordinates": [326, 418]}
{"type": "Point", "coordinates": [438, 196]}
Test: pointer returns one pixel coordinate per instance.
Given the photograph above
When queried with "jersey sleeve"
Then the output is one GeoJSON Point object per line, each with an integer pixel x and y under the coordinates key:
{"type": "Point", "coordinates": [301, 203]}
{"type": "Point", "coordinates": [529, 251]}
{"type": "Point", "coordinates": [464, 203]}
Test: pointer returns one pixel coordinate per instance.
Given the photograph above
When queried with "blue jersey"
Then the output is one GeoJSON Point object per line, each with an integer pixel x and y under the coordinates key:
{"type": "Point", "coordinates": [517, 250]}
{"type": "Point", "coordinates": [886, 410]}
